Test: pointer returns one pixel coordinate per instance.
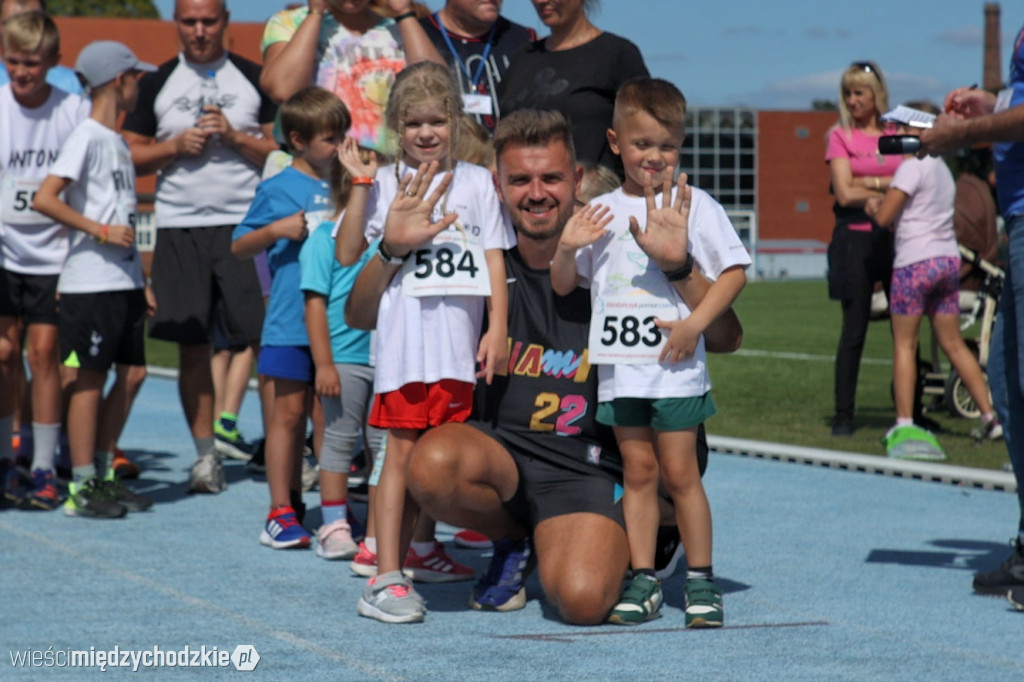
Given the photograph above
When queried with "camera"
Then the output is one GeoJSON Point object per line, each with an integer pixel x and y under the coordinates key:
{"type": "Point", "coordinates": [898, 144]}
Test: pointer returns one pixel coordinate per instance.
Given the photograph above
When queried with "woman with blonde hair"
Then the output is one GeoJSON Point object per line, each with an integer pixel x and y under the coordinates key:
{"type": "Point", "coordinates": [860, 253]}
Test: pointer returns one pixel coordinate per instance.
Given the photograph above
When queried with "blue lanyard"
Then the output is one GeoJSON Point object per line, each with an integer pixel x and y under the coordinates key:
{"type": "Point", "coordinates": [473, 79]}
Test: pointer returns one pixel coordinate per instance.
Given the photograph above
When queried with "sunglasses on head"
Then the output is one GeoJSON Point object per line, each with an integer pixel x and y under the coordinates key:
{"type": "Point", "coordinates": [868, 67]}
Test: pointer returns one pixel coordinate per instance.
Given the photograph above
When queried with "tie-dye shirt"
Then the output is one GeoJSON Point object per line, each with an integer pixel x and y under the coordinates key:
{"type": "Point", "coordinates": [360, 69]}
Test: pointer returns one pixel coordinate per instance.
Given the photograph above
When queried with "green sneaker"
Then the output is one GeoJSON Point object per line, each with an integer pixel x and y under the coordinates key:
{"type": "Point", "coordinates": [703, 604]}
{"type": "Point", "coordinates": [92, 498]}
{"type": "Point", "coordinates": [913, 442]}
{"type": "Point", "coordinates": [640, 601]}
{"type": "Point", "coordinates": [124, 495]}
{"type": "Point", "coordinates": [231, 443]}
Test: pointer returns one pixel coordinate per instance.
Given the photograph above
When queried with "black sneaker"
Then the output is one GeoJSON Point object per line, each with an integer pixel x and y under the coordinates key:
{"type": "Point", "coordinates": [1016, 597]}
{"type": "Point", "coordinates": [92, 498]}
{"type": "Point", "coordinates": [842, 426]}
{"type": "Point", "coordinates": [124, 496]}
{"type": "Point", "coordinates": [258, 464]}
{"type": "Point", "coordinates": [1008, 576]}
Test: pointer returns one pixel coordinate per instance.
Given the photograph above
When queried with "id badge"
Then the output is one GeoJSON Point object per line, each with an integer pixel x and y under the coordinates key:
{"type": "Point", "coordinates": [475, 103]}
{"type": "Point", "coordinates": [1003, 100]}
{"type": "Point", "coordinates": [623, 332]}
{"type": "Point", "coordinates": [18, 194]}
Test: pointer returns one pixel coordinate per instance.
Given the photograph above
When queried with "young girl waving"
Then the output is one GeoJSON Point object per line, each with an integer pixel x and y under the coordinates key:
{"type": "Point", "coordinates": [429, 321]}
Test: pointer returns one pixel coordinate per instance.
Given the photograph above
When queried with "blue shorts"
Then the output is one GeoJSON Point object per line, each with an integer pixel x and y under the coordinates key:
{"type": "Point", "coordinates": [287, 362]}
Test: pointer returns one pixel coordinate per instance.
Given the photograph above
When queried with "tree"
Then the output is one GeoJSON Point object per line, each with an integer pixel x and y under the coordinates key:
{"type": "Point", "coordinates": [824, 105]}
{"type": "Point", "coordinates": [103, 8]}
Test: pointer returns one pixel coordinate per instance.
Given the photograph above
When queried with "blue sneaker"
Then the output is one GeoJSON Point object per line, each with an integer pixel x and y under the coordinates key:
{"type": "Point", "coordinates": [283, 530]}
{"type": "Point", "coordinates": [15, 487]}
{"type": "Point", "coordinates": [502, 587]}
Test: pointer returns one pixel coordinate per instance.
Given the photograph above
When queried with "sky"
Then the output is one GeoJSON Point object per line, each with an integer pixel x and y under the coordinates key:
{"type": "Point", "coordinates": [780, 54]}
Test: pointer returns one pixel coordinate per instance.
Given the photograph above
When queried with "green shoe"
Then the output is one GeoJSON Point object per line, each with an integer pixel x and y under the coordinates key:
{"type": "Point", "coordinates": [913, 442]}
{"type": "Point", "coordinates": [124, 495]}
{"type": "Point", "coordinates": [92, 498]}
{"type": "Point", "coordinates": [703, 604]}
{"type": "Point", "coordinates": [640, 601]}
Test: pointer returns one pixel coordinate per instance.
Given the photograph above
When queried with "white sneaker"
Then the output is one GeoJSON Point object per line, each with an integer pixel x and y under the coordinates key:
{"type": "Point", "coordinates": [207, 476]}
{"type": "Point", "coordinates": [334, 541]}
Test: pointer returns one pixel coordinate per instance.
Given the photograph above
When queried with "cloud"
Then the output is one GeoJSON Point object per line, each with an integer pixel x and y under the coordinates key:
{"type": "Point", "coordinates": [798, 93]}
{"type": "Point", "coordinates": [968, 37]}
{"type": "Point", "coordinates": [820, 33]}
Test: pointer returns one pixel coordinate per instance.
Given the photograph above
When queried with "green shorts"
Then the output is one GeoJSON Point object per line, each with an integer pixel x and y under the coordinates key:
{"type": "Point", "coordinates": [661, 414]}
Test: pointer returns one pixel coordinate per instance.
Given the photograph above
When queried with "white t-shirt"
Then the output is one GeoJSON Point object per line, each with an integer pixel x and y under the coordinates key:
{"type": "Point", "coordinates": [97, 161]}
{"type": "Point", "coordinates": [216, 187]}
{"type": "Point", "coordinates": [431, 338]}
{"type": "Point", "coordinates": [30, 139]}
{"type": "Point", "coordinates": [924, 229]}
{"type": "Point", "coordinates": [616, 267]}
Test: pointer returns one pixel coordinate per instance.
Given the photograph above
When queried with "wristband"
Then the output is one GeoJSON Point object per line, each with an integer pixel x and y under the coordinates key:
{"type": "Point", "coordinates": [405, 15]}
{"type": "Point", "coordinates": [104, 234]}
{"type": "Point", "coordinates": [362, 180]}
{"type": "Point", "coordinates": [681, 272]}
{"type": "Point", "coordinates": [387, 258]}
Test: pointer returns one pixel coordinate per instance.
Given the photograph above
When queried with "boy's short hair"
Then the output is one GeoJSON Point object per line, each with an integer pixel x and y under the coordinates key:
{"type": "Point", "coordinates": [31, 32]}
{"type": "Point", "coordinates": [533, 128]}
{"type": "Point", "coordinates": [311, 111]}
{"type": "Point", "coordinates": [658, 98]}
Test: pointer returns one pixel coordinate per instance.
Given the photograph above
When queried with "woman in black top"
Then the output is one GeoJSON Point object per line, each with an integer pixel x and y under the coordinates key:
{"type": "Point", "coordinates": [576, 70]}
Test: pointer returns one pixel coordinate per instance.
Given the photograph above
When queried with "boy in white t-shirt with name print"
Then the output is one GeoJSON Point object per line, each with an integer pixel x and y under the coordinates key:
{"type": "Point", "coordinates": [37, 119]}
{"type": "Point", "coordinates": [655, 394]}
{"type": "Point", "coordinates": [103, 300]}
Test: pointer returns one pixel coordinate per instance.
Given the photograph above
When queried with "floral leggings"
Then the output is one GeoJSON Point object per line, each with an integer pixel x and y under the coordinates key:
{"type": "Point", "coordinates": [927, 287]}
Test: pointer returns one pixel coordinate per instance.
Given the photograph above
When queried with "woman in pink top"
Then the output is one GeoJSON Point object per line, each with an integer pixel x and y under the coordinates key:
{"type": "Point", "coordinates": [860, 252]}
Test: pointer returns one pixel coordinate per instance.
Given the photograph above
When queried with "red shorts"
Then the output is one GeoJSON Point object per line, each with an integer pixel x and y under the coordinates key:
{"type": "Point", "coordinates": [420, 406]}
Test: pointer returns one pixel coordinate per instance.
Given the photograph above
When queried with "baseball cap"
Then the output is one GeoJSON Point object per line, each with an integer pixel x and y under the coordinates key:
{"type": "Point", "coordinates": [102, 61]}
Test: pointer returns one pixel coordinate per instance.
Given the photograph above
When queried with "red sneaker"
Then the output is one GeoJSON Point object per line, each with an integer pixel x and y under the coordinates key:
{"type": "Point", "coordinates": [470, 539]}
{"type": "Point", "coordinates": [436, 567]}
{"type": "Point", "coordinates": [364, 563]}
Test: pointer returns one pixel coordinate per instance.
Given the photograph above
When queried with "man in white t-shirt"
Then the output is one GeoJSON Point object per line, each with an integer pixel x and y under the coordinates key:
{"type": "Point", "coordinates": [37, 120]}
{"type": "Point", "coordinates": [207, 157]}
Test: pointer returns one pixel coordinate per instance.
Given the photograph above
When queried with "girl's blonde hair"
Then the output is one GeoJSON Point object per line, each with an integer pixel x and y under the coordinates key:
{"type": "Point", "coordinates": [313, 111]}
{"type": "Point", "coordinates": [421, 83]}
{"type": "Point", "coordinates": [863, 74]}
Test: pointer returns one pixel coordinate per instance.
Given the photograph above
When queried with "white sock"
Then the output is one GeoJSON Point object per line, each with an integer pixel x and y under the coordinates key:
{"type": "Point", "coordinates": [371, 544]}
{"type": "Point", "coordinates": [44, 445]}
{"type": "Point", "coordinates": [422, 548]}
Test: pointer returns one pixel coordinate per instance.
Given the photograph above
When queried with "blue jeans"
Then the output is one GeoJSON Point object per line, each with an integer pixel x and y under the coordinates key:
{"type": "Point", "coordinates": [1006, 356]}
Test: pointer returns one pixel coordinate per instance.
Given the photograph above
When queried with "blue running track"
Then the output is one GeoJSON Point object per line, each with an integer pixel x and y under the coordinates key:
{"type": "Point", "coordinates": [829, 575]}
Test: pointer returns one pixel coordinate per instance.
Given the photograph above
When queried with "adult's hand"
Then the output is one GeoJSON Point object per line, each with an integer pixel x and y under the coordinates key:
{"type": "Point", "coordinates": [192, 142]}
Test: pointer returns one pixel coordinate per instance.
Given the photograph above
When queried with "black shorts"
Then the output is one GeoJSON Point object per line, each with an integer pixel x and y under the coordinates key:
{"type": "Point", "coordinates": [547, 490]}
{"type": "Point", "coordinates": [33, 298]}
{"type": "Point", "coordinates": [101, 329]}
{"type": "Point", "coordinates": [193, 271]}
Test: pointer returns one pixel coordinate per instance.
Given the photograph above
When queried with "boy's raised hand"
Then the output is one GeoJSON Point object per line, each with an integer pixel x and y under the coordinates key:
{"type": "Point", "coordinates": [665, 238]}
{"type": "Point", "coordinates": [408, 223]}
{"type": "Point", "coordinates": [585, 227]}
{"type": "Point", "coordinates": [351, 159]}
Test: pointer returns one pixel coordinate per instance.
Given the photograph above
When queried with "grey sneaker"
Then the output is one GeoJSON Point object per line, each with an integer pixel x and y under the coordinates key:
{"type": "Point", "coordinates": [390, 598]}
{"type": "Point", "coordinates": [310, 472]}
{"type": "Point", "coordinates": [207, 476]}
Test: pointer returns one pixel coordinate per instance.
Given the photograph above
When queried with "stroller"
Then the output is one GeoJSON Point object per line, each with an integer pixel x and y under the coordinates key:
{"type": "Point", "coordinates": [976, 308]}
